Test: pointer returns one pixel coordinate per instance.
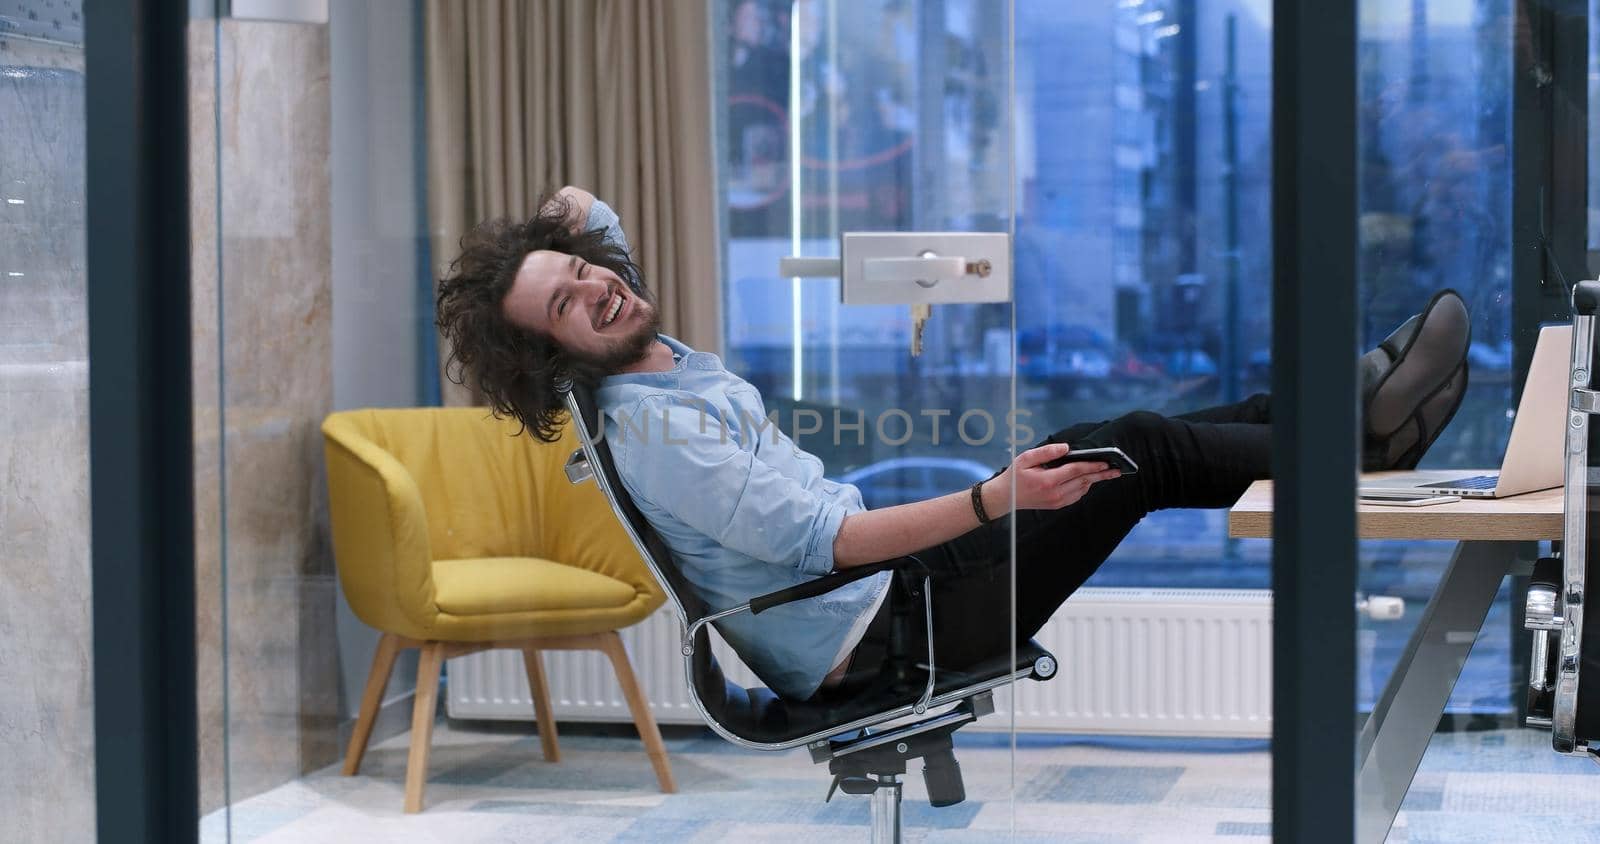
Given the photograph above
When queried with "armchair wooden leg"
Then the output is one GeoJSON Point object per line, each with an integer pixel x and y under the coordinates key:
{"type": "Point", "coordinates": [611, 644]}
{"type": "Point", "coordinates": [377, 681]}
{"type": "Point", "coordinates": [541, 703]}
{"type": "Point", "coordinates": [422, 723]}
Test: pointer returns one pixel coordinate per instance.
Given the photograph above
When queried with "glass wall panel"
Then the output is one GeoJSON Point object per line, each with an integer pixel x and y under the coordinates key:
{"type": "Point", "coordinates": [1437, 164]}
{"type": "Point", "coordinates": [311, 293]}
{"type": "Point", "coordinates": [46, 701]}
{"type": "Point", "coordinates": [262, 291]}
{"type": "Point", "coordinates": [901, 128]}
{"type": "Point", "coordinates": [341, 164]}
{"type": "Point", "coordinates": [1144, 283]}
{"type": "Point", "coordinates": [1436, 214]}
{"type": "Point", "coordinates": [841, 118]}
{"type": "Point", "coordinates": [1144, 240]}
{"type": "Point", "coordinates": [413, 624]}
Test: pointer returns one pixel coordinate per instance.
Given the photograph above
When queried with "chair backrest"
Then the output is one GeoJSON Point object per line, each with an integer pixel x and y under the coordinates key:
{"type": "Point", "coordinates": [731, 708]}
{"type": "Point", "coordinates": [457, 483]}
{"type": "Point", "coordinates": [1576, 693]}
{"type": "Point", "coordinates": [659, 558]}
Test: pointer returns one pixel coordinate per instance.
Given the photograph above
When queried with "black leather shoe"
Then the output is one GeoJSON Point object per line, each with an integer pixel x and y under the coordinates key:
{"type": "Point", "coordinates": [1414, 381]}
{"type": "Point", "coordinates": [1405, 448]}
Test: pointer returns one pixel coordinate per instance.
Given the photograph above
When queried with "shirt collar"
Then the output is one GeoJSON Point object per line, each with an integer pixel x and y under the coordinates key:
{"type": "Point", "coordinates": [684, 358]}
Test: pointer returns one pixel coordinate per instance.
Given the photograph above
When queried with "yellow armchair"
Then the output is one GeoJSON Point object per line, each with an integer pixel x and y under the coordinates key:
{"type": "Point", "coordinates": [453, 534]}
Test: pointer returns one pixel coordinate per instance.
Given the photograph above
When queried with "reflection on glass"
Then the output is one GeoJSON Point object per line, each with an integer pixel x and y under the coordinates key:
{"type": "Point", "coordinates": [1592, 190]}
{"type": "Point", "coordinates": [1144, 169]}
{"type": "Point", "coordinates": [900, 129]}
{"type": "Point", "coordinates": [47, 790]}
{"type": "Point", "coordinates": [1436, 155]}
{"type": "Point", "coordinates": [838, 116]}
{"type": "Point", "coordinates": [261, 290]}
{"type": "Point", "coordinates": [1435, 212]}
{"type": "Point", "coordinates": [1143, 251]}
{"type": "Point", "coordinates": [882, 116]}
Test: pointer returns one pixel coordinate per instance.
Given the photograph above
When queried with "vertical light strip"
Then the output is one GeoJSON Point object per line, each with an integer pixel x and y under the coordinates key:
{"type": "Point", "coordinates": [835, 307]}
{"type": "Point", "coordinates": [794, 192]}
{"type": "Point", "coordinates": [1011, 448]}
{"type": "Point", "coordinates": [223, 582]}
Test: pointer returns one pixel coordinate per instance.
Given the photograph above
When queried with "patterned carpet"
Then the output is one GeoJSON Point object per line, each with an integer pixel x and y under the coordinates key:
{"type": "Point", "coordinates": [490, 785]}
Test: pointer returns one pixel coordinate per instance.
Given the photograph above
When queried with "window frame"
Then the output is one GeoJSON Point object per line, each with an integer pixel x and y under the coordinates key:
{"type": "Point", "coordinates": [140, 411]}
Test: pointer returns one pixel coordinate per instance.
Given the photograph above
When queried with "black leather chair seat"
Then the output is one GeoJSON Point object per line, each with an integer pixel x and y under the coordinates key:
{"type": "Point", "coordinates": [758, 715]}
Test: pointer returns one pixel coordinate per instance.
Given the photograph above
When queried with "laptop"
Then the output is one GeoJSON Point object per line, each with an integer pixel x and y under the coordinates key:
{"type": "Point", "coordinates": [1533, 458]}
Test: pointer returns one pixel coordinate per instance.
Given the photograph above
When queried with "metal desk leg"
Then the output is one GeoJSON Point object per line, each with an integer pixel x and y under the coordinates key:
{"type": "Point", "coordinates": [1396, 735]}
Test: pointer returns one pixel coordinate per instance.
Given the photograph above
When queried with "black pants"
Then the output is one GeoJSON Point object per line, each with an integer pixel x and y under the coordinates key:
{"type": "Point", "coordinates": [1201, 460]}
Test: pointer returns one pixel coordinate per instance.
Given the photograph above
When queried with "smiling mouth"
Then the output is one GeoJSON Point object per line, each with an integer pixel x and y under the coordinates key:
{"type": "Point", "coordinates": [613, 309]}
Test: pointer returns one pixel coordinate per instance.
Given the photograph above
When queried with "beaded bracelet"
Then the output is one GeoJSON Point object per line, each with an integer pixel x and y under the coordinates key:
{"type": "Point", "coordinates": [977, 504]}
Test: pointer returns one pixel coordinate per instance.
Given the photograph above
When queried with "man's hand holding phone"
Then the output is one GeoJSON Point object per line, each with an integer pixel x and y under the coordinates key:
{"type": "Point", "coordinates": [1052, 476]}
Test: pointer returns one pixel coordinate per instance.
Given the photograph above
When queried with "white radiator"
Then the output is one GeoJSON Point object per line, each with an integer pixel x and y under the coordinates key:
{"type": "Point", "coordinates": [1190, 662]}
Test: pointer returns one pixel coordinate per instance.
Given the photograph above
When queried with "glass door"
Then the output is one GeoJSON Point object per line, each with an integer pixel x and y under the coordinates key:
{"type": "Point", "coordinates": [330, 143]}
{"type": "Point", "coordinates": [862, 139]}
{"type": "Point", "coordinates": [1144, 250]}
{"type": "Point", "coordinates": [865, 118]}
{"type": "Point", "coordinates": [1455, 100]}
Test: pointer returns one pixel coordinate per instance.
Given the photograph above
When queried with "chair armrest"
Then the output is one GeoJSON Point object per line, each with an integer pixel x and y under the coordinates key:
{"type": "Point", "coordinates": [382, 550]}
{"type": "Point", "coordinates": [827, 583]}
{"type": "Point", "coordinates": [1586, 297]}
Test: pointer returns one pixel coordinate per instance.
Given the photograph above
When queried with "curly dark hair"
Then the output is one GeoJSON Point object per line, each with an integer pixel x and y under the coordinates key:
{"type": "Point", "coordinates": [518, 370]}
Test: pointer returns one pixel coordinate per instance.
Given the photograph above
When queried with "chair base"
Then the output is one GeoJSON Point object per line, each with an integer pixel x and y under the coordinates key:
{"type": "Point", "coordinates": [886, 810]}
{"type": "Point", "coordinates": [874, 762]}
{"type": "Point", "coordinates": [433, 655]}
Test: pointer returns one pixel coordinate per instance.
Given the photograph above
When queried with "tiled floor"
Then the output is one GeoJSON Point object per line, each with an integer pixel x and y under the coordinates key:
{"type": "Point", "coordinates": [491, 786]}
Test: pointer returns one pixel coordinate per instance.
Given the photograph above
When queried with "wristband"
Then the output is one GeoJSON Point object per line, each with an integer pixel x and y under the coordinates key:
{"type": "Point", "coordinates": [977, 504]}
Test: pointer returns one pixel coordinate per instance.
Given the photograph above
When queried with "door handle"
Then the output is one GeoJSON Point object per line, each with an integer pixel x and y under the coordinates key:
{"type": "Point", "coordinates": [926, 270]}
{"type": "Point", "coordinates": [795, 267]}
{"type": "Point", "coordinates": [913, 268]}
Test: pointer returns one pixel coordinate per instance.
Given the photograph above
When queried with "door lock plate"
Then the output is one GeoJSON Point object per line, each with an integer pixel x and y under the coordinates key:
{"type": "Point", "coordinates": [932, 268]}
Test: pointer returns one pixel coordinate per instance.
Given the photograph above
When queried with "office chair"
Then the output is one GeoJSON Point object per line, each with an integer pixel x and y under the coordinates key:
{"type": "Point", "coordinates": [1564, 671]}
{"type": "Point", "coordinates": [865, 752]}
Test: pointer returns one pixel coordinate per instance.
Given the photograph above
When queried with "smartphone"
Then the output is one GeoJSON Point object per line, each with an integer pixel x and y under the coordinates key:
{"type": "Point", "coordinates": [1408, 499]}
{"type": "Point", "coordinates": [1111, 456]}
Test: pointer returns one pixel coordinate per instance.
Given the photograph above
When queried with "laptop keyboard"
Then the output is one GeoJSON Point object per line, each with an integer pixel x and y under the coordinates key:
{"type": "Point", "coordinates": [1475, 482]}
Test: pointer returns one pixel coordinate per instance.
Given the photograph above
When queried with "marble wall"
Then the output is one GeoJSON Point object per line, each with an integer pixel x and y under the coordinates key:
{"type": "Point", "coordinates": [262, 343]}
{"type": "Point", "coordinates": [46, 677]}
{"type": "Point", "coordinates": [263, 383]}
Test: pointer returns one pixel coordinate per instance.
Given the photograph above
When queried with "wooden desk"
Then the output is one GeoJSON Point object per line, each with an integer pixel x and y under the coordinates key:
{"type": "Point", "coordinates": [1489, 535]}
{"type": "Point", "coordinates": [1531, 516]}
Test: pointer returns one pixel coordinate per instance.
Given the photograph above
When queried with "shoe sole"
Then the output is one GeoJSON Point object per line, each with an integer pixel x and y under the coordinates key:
{"type": "Point", "coordinates": [1394, 400]}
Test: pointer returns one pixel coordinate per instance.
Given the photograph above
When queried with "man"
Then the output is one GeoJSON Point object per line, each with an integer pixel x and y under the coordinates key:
{"type": "Point", "coordinates": [745, 512]}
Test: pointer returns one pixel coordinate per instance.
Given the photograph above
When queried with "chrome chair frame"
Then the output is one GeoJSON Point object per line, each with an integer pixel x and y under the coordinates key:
{"type": "Point", "coordinates": [872, 760]}
{"type": "Point", "coordinates": [1555, 598]}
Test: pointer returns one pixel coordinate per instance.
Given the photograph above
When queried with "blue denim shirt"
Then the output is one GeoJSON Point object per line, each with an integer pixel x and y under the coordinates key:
{"type": "Point", "coordinates": [602, 217]}
{"type": "Point", "coordinates": [743, 510]}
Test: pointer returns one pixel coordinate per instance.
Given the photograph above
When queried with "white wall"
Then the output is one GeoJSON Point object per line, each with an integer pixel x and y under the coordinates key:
{"type": "Point", "coordinates": [378, 241]}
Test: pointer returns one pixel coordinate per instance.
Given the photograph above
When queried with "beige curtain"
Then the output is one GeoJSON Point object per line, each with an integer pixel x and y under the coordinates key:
{"type": "Point", "coordinates": [610, 95]}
